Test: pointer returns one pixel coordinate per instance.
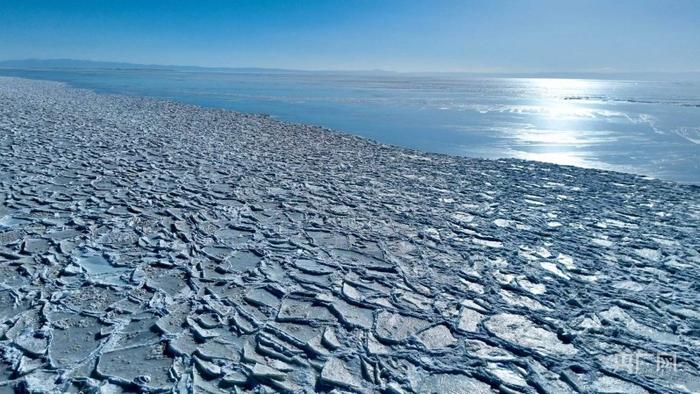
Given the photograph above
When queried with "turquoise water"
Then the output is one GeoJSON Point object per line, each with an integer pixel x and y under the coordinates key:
{"type": "Point", "coordinates": [641, 127]}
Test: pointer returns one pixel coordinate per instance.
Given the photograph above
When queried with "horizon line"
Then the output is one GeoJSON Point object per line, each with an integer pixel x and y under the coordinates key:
{"type": "Point", "coordinates": [173, 67]}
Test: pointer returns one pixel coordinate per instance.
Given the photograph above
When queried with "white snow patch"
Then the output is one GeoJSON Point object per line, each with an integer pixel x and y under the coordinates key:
{"type": "Point", "coordinates": [462, 217]}
{"type": "Point", "coordinates": [502, 223]}
{"type": "Point", "coordinates": [551, 267]}
{"type": "Point", "coordinates": [566, 260]}
{"type": "Point", "coordinates": [649, 254]}
{"type": "Point", "coordinates": [602, 242]}
{"type": "Point", "coordinates": [543, 252]}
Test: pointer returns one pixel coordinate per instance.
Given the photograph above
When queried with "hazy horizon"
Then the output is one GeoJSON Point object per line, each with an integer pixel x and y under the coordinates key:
{"type": "Point", "coordinates": [543, 36]}
{"type": "Point", "coordinates": [86, 64]}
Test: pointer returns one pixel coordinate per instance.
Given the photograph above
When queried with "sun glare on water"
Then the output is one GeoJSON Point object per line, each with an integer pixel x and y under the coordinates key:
{"type": "Point", "coordinates": [558, 131]}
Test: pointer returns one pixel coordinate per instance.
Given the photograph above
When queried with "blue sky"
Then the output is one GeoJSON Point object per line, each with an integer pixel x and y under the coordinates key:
{"type": "Point", "coordinates": [406, 35]}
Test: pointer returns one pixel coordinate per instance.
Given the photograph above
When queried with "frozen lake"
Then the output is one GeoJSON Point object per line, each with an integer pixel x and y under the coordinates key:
{"type": "Point", "coordinates": [641, 127]}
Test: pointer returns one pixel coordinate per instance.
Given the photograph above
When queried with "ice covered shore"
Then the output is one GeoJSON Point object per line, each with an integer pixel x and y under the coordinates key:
{"type": "Point", "coordinates": [148, 245]}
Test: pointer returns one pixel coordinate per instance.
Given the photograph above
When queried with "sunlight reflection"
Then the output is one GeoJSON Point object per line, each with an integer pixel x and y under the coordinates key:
{"type": "Point", "coordinates": [563, 85]}
{"type": "Point", "coordinates": [563, 137]}
{"type": "Point", "coordinates": [570, 158]}
{"type": "Point", "coordinates": [559, 129]}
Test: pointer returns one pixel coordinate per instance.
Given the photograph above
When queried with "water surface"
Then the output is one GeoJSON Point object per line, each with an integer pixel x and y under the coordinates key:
{"type": "Point", "coordinates": [643, 127]}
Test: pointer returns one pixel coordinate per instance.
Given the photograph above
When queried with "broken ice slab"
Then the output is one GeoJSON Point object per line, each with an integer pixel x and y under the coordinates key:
{"type": "Point", "coordinates": [330, 339]}
{"type": "Point", "coordinates": [9, 237]}
{"type": "Point", "coordinates": [218, 253]}
{"type": "Point", "coordinates": [34, 246]}
{"type": "Point", "coordinates": [395, 327]}
{"type": "Point", "coordinates": [99, 269]}
{"type": "Point", "coordinates": [292, 310]}
{"type": "Point", "coordinates": [61, 235]}
{"type": "Point", "coordinates": [28, 334]}
{"type": "Point", "coordinates": [327, 239]}
{"type": "Point", "coordinates": [437, 338]}
{"type": "Point", "coordinates": [236, 235]}
{"type": "Point", "coordinates": [453, 383]}
{"type": "Point", "coordinates": [241, 261]}
{"type": "Point", "coordinates": [74, 338]}
{"type": "Point", "coordinates": [521, 331]}
{"type": "Point", "coordinates": [143, 366]}
{"type": "Point", "coordinates": [367, 261]}
{"type": "Point", "coordinates": [267, 374]}
{"type": "Point", "coordinates": [312, 267]}
{"type": "Point", "coordinates": [220, 349]}
{"type": "Point", "coordinates": [336, 373]}
{"type": "Point", "coordinates": [469, 320]}
{"type": "Point", "coordinates": [183, 344]}
{"type": "Point", "coordinates": [298, 334]}
{"type": "Point", "coordinates": [9, 221]}
{"type": "Point", "coordinates": [351, 315]}
{"type": "Point", "coordinates": [484, 351]}
{"type": "Point", "coordinates": [10, 306]}
{"type": "Point", "coordinates": [262, 297]}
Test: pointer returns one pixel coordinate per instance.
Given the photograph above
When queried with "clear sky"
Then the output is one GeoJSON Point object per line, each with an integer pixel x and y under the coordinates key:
{"type": "Point", "coordinates": [401, 35]}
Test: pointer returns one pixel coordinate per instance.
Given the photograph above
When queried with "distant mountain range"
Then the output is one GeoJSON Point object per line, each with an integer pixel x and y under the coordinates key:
{"type": "Point", "coordinates": [76, 64]}
{"type": "Point", "coordinates": [70, 63]}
